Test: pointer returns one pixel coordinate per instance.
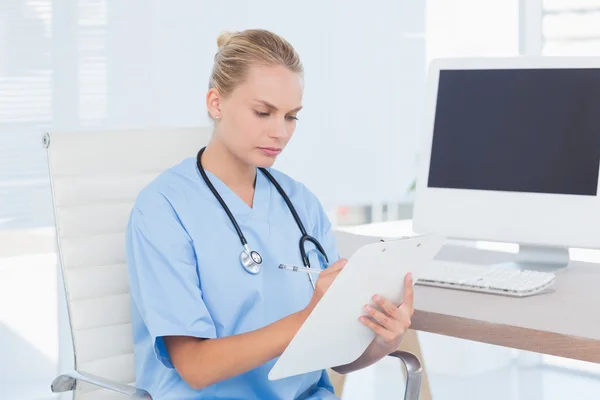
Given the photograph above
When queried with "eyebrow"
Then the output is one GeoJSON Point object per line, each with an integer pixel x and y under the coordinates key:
{"type": "Point", "coordinates": [272, 107]}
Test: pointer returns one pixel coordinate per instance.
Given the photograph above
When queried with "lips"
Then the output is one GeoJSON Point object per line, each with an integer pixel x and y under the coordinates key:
{"type": "Point", "coordinates": [270, 151]}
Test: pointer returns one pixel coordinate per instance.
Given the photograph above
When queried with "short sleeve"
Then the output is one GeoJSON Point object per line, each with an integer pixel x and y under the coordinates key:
{"type": "Point", "coordinates": [165, 285]}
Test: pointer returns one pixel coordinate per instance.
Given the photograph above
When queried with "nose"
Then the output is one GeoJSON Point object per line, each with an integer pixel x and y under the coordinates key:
{"type": "Point", "coordinates": [280, 130]}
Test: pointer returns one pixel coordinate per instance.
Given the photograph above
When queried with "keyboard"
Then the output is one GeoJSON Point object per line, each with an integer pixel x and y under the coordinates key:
{"type": "Point", "coordinates": [486, 279]}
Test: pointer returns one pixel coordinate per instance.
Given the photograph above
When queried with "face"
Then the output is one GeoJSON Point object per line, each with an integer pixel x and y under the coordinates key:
{"type": "Point", "coordinates": [259, 117]}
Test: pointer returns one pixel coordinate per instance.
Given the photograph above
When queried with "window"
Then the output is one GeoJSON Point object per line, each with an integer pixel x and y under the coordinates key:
{"type": "Point", "coordinates": [25, 112]}
{"type": "Point", "coordinates": [571, 27]}
{"type": "Point", "coordinates": [52, 76]}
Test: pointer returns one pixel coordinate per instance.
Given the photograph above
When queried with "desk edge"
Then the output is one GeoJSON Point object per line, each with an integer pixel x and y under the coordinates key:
{"type": "Point", "coordinates": [537, 341]}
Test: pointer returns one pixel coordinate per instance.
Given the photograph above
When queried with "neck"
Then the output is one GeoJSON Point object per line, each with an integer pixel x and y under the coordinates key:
{"type": "Point", "coordinates": [218, 160]}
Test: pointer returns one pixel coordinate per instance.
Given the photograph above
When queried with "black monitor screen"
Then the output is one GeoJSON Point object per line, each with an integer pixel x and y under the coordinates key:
{"type": "Point", "coordinates": [524, 130]}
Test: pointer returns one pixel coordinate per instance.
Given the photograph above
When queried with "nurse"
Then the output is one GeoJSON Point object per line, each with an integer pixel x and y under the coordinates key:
{"type": "Point", "coordinates": [205, 326]}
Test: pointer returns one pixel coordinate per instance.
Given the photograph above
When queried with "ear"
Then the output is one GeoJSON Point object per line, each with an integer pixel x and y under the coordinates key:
{"type": "Point", "coordinates": [213, 103]}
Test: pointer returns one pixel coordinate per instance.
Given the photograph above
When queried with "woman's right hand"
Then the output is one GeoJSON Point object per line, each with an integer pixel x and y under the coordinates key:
{"type": "Point", "coordinates": [257, 347]}
{"type": "Point", "coordinates": [325, 280]}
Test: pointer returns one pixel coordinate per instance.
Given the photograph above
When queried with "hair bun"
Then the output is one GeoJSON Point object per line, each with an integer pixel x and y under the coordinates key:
{"type": "Point", "coordinates": [224, 38]}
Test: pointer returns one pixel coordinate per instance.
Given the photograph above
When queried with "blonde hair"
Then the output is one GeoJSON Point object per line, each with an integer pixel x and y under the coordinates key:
{"type": "Point", "coordinates": [238, 51]}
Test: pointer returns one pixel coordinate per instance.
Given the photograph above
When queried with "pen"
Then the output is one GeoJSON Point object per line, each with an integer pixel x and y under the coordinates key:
{"type": "Point", "coordinates": [299, 269]}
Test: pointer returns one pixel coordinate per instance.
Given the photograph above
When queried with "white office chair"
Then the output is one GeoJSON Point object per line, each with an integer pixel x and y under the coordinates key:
{"type": "Point", "coordinates": [95, 178]}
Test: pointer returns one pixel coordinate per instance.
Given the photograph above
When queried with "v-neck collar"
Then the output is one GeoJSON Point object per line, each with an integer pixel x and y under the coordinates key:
{"type": "Point", "coordinates": [237, 206]}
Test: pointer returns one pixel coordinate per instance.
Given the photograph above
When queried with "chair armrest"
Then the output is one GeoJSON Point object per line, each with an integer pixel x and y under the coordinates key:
{"type": "Point", "coordinates": [67, 381]}
{"type": "Point", "coordinates": [413, 373]}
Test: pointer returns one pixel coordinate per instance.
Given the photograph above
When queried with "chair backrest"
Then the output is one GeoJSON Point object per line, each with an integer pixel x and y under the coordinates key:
{"type": "Point", "coordinates": [95, 178]}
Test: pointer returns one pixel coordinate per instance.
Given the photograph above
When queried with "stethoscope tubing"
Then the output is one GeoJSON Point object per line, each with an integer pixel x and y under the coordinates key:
{"type": "Point", "coordinates": [303, 239]}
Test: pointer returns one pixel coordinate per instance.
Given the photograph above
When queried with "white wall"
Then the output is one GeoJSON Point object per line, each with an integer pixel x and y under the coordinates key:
{"type": "Point", "coordinates": [364, 71]}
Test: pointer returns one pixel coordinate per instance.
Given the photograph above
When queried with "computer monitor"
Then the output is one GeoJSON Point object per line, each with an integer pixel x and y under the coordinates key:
{"type": "Point", "coordinates": [511, 153]}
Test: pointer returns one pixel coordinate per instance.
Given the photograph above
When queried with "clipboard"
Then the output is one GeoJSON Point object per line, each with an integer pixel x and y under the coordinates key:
{"type": "Point", "coordinates": [332, 335]}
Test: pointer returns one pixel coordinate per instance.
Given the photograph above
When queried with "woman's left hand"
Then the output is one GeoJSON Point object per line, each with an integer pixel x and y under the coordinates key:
{"type": "Point", "coordinates": [391, 324]}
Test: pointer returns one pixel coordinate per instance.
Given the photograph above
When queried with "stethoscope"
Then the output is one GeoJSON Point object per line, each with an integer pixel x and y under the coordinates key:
{"type": "Point", "coordinates": [251, 260]}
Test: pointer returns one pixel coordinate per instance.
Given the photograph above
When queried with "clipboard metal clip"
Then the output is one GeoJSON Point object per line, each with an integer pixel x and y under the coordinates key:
{"type": "Point", "coordinates": [398, 238]}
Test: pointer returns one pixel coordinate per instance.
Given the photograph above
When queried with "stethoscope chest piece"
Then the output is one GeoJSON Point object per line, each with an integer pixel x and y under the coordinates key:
{"type": "Point", "coordinates": [251, 261]}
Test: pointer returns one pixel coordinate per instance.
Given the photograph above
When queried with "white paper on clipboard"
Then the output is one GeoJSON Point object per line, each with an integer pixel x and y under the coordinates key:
{"type": "Point", "coordinates": [332, 335]}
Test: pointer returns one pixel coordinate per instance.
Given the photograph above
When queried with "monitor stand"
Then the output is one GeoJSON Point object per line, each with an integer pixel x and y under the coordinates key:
{"type": "Point", "coordinates": [539, 258]}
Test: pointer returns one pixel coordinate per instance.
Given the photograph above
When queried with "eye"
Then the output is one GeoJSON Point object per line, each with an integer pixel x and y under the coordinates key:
{"type": "Point", "coordinates": [261, 114]}
{"type": "Point", "coordinates": [292, 118]}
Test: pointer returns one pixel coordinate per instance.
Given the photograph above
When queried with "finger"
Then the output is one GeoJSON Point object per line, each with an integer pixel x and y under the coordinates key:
{"type": "Point", "coordinates": [410, 311]}
{"type": "Point", "coordinates": [408, 298]}
{"type": "Point", "coordinates": [377, 328]}
{"type": "Point", "coordinates": [335, 267]}
{"type": "Point", "coordinates": [387, 322]}
{"type": "Point", "coordinates": [387, 306]}
{"type": "Point", "coordinates": [404, 318]}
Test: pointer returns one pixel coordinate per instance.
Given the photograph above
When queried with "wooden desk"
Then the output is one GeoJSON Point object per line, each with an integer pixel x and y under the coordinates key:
{"type": "Point", "coordinates": [563, 321]}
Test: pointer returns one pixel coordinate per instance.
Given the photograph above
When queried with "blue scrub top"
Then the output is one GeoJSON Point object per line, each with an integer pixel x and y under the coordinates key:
{"type": "Point", "coordinates": [186, 278]}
